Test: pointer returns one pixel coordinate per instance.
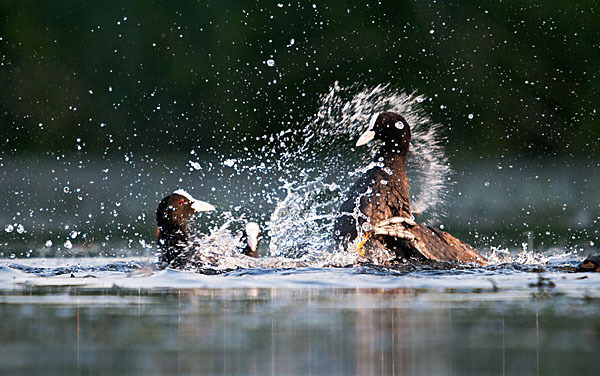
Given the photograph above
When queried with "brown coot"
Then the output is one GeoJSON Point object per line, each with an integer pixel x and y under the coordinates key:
{"type": "Point", "coordinates": [377, 206]}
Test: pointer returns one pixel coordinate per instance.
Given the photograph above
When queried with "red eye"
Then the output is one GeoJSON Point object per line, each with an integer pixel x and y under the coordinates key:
{"type": "Point", "coordinates": [181, 202]}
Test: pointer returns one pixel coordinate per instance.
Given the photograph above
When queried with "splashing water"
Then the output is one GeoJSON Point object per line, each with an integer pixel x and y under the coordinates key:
{"type": "Point", "coordinates": [300, 224]}
{"type": "Point", "coordinates": [342, 116]}
{"type": "Point", "coordinates": [221, 250]}
{"type": "Point", "coordinates": [308, 170]}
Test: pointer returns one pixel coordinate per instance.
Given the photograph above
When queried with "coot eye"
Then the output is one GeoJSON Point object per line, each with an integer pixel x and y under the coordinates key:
{"type": "Point", "coordinates": [181, 202]}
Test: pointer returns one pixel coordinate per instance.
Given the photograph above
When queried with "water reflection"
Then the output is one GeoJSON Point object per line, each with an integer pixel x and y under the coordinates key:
{"type": "Point", "coordinates": [289, 331]}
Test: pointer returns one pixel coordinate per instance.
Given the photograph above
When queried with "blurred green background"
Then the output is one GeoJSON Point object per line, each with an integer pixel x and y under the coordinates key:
{"type": "Point", "coordinates": [103, 102]}
{"type": "Point", "coordinates": [169, 76]}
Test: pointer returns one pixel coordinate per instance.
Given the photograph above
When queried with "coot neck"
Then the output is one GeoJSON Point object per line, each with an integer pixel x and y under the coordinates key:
{"type": "Point", "coordinates": [172, 241]}
{"type": "Point", "coordinates": [393, 162]}
{"type": "Point", "coordinates": [392, 158]}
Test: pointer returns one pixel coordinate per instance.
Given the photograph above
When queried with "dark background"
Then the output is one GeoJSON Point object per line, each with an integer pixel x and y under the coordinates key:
{"type": "Point", "coordinates": [168, 76]}
{"type": "Point", "coordinates": [101, 104]}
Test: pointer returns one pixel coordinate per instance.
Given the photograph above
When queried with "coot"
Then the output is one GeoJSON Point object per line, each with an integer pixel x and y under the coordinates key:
{"type": "Point", "coordinates": [377, 206]}
{"type": "Point", "coordinates": [172, 234]}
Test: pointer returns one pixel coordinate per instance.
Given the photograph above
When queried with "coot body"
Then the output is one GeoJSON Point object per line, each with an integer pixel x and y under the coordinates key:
{"type": "Point", "coordinates": [377, 206]}
{"type": "Point", "coordinates": [590, 264]}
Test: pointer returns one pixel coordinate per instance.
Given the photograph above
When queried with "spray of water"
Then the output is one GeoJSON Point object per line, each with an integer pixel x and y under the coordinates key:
{"type": "Point", "coordinates": [220, 250]}
{"type": "Point", "coordinates": [324, 154]}
{"type": "Point", "coordinates": [306, 171]}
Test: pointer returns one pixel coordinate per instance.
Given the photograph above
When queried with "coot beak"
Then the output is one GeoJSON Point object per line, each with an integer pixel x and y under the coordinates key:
{"type": "Point", "coordinates": [365, 138]}
{"type": "Point", "coordinates": [197, 205]}
{"type": "Point", "coordinates": [200, 206]}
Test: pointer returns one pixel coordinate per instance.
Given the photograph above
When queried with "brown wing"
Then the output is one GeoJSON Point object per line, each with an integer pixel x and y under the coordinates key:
{"type": "Point", "coordinates": [441, 246]}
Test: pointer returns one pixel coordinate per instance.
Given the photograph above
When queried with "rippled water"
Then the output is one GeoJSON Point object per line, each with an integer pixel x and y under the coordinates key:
{"type": "Point", "coordinates": [125, 316]}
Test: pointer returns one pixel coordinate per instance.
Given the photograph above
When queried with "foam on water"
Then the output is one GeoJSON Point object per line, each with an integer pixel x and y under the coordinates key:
{"type": "Point", "coordinates": [140, 273]}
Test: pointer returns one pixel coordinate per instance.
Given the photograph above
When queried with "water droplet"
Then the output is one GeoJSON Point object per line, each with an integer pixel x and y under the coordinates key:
{"type": "Point", "coordinates": [9, 228]}
{"type": "Point", "coordinates": [271, 62]}
{"type": "Point", "coordinates": [20, 229]}
{"type": "Point", "coordinates": [68, 244]}
{"type": "Point", "coordinates": [48, 244]}
{"type": "Point", "coordinates": [195, 165]}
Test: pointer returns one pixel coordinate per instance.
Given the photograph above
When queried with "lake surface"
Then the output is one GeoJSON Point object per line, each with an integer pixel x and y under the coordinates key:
{"type": "Point", "coordinates": [525, 314]}
{"type": "Point", "coordinates": [125, 316]}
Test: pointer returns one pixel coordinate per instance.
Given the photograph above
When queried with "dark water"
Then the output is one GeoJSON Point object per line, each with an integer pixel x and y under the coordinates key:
{"type": "Point", "coordinates": [91, 315]}
{"type": "Point", "coordinates": [321, 321]}
{"type": "Point", "coordinates": [111, 205]}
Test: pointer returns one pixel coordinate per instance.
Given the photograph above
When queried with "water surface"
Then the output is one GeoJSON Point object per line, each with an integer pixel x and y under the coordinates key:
{"type": "Point", "coordinates": [125, 316]}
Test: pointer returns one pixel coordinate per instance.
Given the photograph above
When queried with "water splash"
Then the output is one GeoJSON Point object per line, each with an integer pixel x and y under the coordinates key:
{"type": "Point", "coordinates": [525, 257]}
{"type": "Point", "coordinates": [301, 222]}
{"type": "Point", "coordinates": [344, 113]}
{"type": "Point", "coordinates": [220, 250]}
{"type": "Point", "coordinates": [304, 172]}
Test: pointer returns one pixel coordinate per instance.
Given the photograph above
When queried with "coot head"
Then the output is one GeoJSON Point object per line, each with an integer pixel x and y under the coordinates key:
{"type": "Point", "coordinates": [171, 216]}
{"type": "Point", "coordinates": [176, 208]}
{"type": "Point", "coordinates": [390, 128]}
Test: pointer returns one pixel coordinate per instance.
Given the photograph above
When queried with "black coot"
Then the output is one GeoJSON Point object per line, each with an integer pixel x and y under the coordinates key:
{"type": "Point", "coordinates": [172, 235]}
